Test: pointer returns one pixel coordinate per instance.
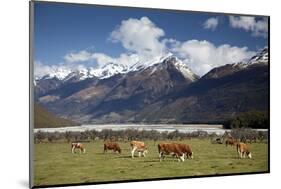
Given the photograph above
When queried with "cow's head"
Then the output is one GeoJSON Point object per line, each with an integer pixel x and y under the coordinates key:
{"type": "Point", "coordinates": [190, 155]}
{"type": "Point", "coordinates": [119, 150]}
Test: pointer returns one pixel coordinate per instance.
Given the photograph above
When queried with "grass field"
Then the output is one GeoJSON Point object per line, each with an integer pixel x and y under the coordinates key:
{"type": "Point", "coordinates": [54, 163]}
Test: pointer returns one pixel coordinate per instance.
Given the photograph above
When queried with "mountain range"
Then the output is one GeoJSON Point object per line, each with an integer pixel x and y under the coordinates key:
{"type": "Point", "coordinates": [163, 90]}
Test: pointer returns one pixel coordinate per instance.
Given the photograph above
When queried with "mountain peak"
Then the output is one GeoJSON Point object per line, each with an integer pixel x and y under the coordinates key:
{"type": "Point", "coordinates": [260, 58]}
{"type": "Point", "coordinates": [108, 70]}
{"type": "Point", "coordinates": [182, 67]}
{"type": "Point", "coordinates": [140, 65]}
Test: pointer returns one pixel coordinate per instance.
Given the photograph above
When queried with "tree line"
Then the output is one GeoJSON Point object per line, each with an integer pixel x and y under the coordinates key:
{"type": "Point", "coordinates": [251, 119]}
{"type": "Point", "coordinates": [134, 134]}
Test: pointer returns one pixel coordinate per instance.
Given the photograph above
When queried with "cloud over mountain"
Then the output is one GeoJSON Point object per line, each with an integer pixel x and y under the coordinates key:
{"type": "Point", "coordinates": [259, 28]}
{"type": "Point", "coordinates": [202, 56]}
{"type": "Point", "coordinates": [139, 36]}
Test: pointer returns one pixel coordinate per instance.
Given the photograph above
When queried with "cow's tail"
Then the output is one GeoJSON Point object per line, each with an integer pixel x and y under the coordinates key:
{"type": "Point", "coordinates": [159, 148]}
{"type": "Point", "coordinates": [104, 148]}
{"type": "Point", "coordinates": [160, 153]}
{"type": "Point", "coordinates": [238, 149]}
{"type": "Point", "coordinates": [72, 148]}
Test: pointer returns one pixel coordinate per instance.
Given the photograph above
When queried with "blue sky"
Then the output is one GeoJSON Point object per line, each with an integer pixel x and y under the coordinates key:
{"type": "Point", "coordinates": [62, 29]}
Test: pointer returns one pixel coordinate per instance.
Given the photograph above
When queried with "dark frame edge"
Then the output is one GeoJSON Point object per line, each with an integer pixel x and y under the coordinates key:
{"type": "Point", "coordinates": [149, 8]}
{"type": "Point", "coordinates": [31, 93]}
{"type": "Point", "coordinates": [269, 64]}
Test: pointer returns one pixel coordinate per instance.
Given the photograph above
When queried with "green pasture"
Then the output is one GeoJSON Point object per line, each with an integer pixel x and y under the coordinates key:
{"type": "Point", "coordinates": [55, 164]}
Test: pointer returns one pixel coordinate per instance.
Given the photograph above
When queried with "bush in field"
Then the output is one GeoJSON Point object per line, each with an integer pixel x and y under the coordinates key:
{"type": "Point", "coordinates": [243, 133]}
{"type": "Point", "coordinates": [54, 136]}
{"type": "Point", "coordinates": [50, 137]}
{"type": "Point", "coordinates": [68, 136]}
{"type": "Point", "coordinates": [251, 119]}
{"type": "Point", "coordinates": [40, 136]}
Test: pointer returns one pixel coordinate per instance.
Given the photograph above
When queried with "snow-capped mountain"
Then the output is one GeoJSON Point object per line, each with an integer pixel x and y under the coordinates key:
{"type": "Point", "coordinates": [140, 65]}
{"type": "Point", "coordinates": [261, 58]}
{"type": "Point", "coordinates": [108, 70]}
{"type": "Point", "coordinates": [162, 90]}
{"type": "Point", "coordinates": [78, 75]}
{"type": "Point", "coordinates": [58, 72]}
{"type": "Point", "coordinates": [112, 69]}
{"type": "Point", "coordinates": [182, 67]}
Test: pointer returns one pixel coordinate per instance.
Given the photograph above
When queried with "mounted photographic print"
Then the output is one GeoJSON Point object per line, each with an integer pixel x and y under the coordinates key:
{"type": "Point", "coordinates": [126, 94]}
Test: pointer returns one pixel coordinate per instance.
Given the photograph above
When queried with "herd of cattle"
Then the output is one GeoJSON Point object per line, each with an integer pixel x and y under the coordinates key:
{"type": "Point", "coordinates": [179, 150]}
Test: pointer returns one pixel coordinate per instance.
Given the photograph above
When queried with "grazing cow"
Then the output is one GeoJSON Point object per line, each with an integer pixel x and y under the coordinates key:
{"type": "Point", "coordinates": [175, 149]}
{"type": "Point", "coordinates": [243, 150]}
{"type": "Point", "coordinates": [138, 146]}
{"type": "Point", "coordinates": [186, 149]}
{"type": "Point", "coordinates": [111, 146]}
{"type": "Point", "coordinates": [77, 145]}
{"type": "Point", "coordinates": [230, 141]}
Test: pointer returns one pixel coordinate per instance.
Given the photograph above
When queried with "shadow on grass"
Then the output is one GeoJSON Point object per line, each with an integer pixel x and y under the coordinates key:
{"type": "Point", "coordinates": [151, 161]}
{"type": "Point", "coordinates": [126, 157]}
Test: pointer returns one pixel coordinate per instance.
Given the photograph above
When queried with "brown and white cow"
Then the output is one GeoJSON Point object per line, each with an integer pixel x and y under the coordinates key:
{"type": "Point", "coordinates": [111, 146]}
{"type": "Point", "coordinates": [77, 145]}
{"type": "Point", "coordinates": [175, 149]}
{"type": "Point", "coordinates": [186, 149]}
{"type": "Point", "coordinates": [243, 150]}
{"type": "Point", "coordinates": [138, 146]}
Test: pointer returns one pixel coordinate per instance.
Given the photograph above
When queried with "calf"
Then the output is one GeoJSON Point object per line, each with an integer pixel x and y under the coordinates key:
{"type": "Point", "coordinates": [138, 146]}
{"type": "Point", "coordinates": [243, 150]}
{"type": "Point", "coordinates": [111, 146]}
{"type": "Point", "coordinates": [77, 145]}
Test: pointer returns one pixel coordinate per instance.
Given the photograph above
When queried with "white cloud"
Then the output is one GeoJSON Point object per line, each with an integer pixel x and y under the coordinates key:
{"type": "Point", "coordinates": [211, 23]}
{"type": "Point", "coordinates": [124, 59]}
{"type": "Point", "coordinates": [202, 56]}
{"type": "Point", "coordinates": [80, 56]}
{"type": "Point", "coordinates": [257, 27]}
{"type": "Point", "coordinates": [139, 36]}
{"type": "Point", "coordinates": [100, 58]}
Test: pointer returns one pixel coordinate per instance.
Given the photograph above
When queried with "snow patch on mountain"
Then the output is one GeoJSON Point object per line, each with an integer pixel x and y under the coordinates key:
{"type": "Point", "coordinates": [108, 70]}
{"type": "Point", "coordinates": [260, 58]}
{"type": "Point", "coordinates": [182, 67]}
{"type": "Point", "coordinates": [140, 65]}
{"type": "Point", "coordinates": [57, 72]}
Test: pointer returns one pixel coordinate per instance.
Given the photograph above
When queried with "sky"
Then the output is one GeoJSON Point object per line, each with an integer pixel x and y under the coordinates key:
{"type": "Point", "coordinates": [71, 36]}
